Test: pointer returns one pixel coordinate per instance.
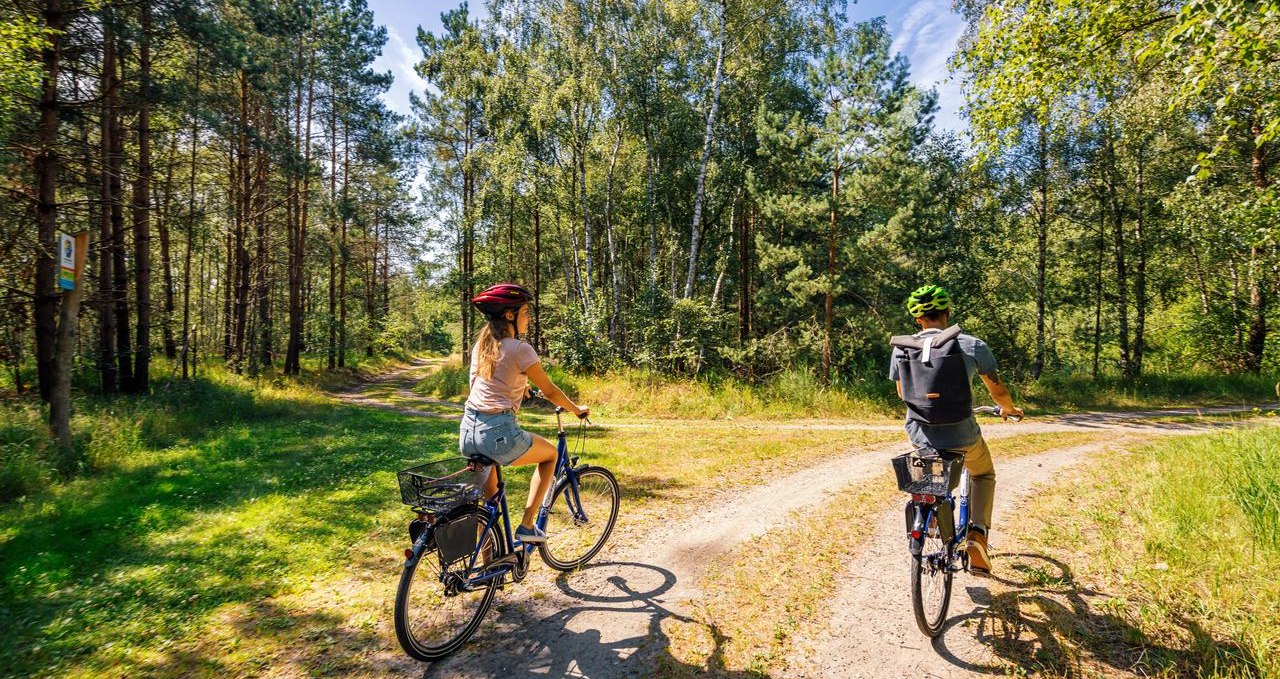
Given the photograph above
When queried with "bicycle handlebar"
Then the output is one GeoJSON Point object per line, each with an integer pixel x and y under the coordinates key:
{"type": "Point", "coordinates": [994, 410]}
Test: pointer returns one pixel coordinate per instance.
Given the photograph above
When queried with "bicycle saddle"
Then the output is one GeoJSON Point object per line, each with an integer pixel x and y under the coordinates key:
{"type": "Point", "coordinates": [481, 460]}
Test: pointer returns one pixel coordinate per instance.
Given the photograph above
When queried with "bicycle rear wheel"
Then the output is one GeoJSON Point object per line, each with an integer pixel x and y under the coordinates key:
{"type": "Point", "coordinates": [578, 524]}
{"type": "Point", "coordinates": [931, 581]}
{"type": "Point", "coordinates": [433, 616]}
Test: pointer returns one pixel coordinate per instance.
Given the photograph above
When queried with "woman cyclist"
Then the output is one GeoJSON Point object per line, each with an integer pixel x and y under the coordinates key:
{"type": "Point", "coordinates": [502, 365]}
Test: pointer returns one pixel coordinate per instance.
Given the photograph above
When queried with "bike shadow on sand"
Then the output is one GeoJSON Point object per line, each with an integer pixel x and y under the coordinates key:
{"type": "Point", "coordinates": [1034, 616]}
{"type": "Point", "coordinates": [617, 631]}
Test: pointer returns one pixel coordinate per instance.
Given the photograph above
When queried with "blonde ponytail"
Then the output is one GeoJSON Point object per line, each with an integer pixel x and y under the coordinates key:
{"type": "Point", "coordinates": [489, 345]}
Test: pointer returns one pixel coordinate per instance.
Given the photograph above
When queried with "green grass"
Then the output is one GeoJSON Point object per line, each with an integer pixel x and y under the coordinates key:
{"type": "Point", "coordinates": [1058, 392]}
{"type": "Point", "coordinates": [1184, 539]}
{"type": "Point", "coordinates": [631, 392]}
{"type": "Point", "coordinates": [796, 393]}
{"type": "Point", "coordinates": [114, 570]}
{"type": "Point", "coordinates": [230, 527]}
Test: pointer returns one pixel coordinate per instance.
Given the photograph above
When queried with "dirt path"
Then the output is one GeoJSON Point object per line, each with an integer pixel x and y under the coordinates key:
{"type": "Point", "coordinates": [871, 631]}
{"type": "Point", "coordinates": [393, 391]}
{"type": "Point", "coordinates": [607, 619]}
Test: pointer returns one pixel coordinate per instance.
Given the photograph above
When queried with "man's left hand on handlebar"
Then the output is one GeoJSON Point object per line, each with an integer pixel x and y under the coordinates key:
{"type": "Point", "coordinates": [1011, 412]}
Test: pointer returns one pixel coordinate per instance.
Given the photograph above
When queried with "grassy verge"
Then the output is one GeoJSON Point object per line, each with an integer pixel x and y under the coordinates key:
{"type": "Point", "coordinates": [1162, 561]}
{"type": "Point", "coordinates": [761, 595]}
{"type": "Point", "coordinates": [231, 527]}
{"type": "Point", "coordinates": [1056, 392]}
{"type": "Point", "coordinates": [629, 392]}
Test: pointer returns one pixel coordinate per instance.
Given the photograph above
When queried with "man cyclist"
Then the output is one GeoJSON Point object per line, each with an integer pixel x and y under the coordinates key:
{"type": "Point", "coordinates": [931, 424]}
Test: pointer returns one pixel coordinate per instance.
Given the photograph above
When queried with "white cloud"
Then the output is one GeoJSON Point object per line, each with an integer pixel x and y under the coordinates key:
{"type": "Point", "coordinates": [927, 37]}
{"type": "Point", "coordinates": [399, 56]}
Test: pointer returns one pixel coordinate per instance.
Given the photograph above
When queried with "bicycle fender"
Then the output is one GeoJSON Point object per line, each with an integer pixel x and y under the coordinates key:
{"type": "Point", "coordinates": [419, 546]}
{"type": "Point", "coordinates": [918, 522]}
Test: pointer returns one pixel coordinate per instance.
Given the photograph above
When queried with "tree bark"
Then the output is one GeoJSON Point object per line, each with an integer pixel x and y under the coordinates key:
{"type": "Point", "coordinates": [106, 283]}
{"type": "Point", "coordinates": [616, 332]}
{"type": "Point", "coordinates": [119, 265]}
{"type": "Point", "coordinates": [1122, 290]}
{"type": "Point", "coordinates": [1140, 272]}
{"type": "Point", "coordinates": [707, 140]}
{"type": "Point", "coordinates": [45, 168]}
{"type": "Point", "coordinates": [828, 306]}
{"type": "Point", "coordinates": [166, 264]}
{"type": "Point", "coordinates": [141, 210]}
{"type": "Point", "coordinates": [1042, 241]}
{"type": "Point", "coordinates": [1259, 286]}
{"type": "Point", "coordinates": [537, 274]}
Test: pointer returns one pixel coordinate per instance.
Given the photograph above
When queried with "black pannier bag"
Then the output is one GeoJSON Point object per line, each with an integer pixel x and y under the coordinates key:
{"type": "Point", "coordinates": [935, 382]}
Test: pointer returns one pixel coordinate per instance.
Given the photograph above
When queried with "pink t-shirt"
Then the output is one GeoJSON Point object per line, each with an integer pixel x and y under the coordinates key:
{"type": "Point", "coordinates": [505, 390]}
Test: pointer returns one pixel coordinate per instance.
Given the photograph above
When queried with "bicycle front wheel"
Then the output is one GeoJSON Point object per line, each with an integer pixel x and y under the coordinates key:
{"type": "Point", "coordinates": [579, 523]}
{"type": "Point", "coordinates": [931, 582]}
{"type": "Point", "coordinates": [435, 616]}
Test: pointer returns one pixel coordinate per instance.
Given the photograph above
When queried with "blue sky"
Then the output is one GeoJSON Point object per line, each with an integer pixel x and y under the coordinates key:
{"type": "Point", "coordinates": [925, 31]}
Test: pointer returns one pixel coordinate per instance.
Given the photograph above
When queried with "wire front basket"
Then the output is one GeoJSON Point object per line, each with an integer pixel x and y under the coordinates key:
{"type": "Point", "coordinates": [440, 485]}
{"type": "Point", "coordinates": [929, 474]}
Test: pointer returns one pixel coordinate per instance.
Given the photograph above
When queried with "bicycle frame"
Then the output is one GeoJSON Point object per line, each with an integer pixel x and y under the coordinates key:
{"type": "Point", "coordinates": [497, 509]}
{"type": "Point", "coordinates": [953, 525]}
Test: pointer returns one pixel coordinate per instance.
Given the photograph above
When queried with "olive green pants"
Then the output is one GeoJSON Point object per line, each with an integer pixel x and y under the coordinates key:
{"type": "Point", "coordinates": [982, 482]}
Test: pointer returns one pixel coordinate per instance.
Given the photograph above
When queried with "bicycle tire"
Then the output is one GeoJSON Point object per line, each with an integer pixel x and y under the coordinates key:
{"type": "Point", "coordinates": [431, 595]}
{"type": "Point", "coordinates": [930, 618]}
{"type": "Point", "coordinates": [571, 544]}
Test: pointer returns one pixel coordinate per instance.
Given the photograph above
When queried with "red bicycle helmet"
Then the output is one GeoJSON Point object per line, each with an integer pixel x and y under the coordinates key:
{"type": "Point", "coordinates": [498, 298]}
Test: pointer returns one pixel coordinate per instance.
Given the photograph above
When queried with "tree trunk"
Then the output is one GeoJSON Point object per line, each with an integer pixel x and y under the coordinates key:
{"type": "Point", "coordinates": [333, 238]}
{"type": "Point", "coordinates": [106, 282]}
{"type": "Point", "coordinates": [45, 167]}
{"type": "Point", "coordinates": [588, 297]}
{"type": "Point", "coordinates": [537, 274]}
{"type": "Point", "coordinates": [1097, 289]}
{"type": "Point", "coordinates": [343, 254]}
{"type": "Point", "coordinates": [828, 307]}
{"type": "Point", "coordinates": [68, 334]}
{"type": "Point", "coordinates": [119, 264]}
{"type": "Point", "coordinates": [707, 139]}
{"type": "Point", "coordinates": [1259, 286]}
{"type": "Point", "coordinates": [616, 332]}
{"type": "Point", "coordinates": [262, 264]}
{"type": "Point", "coordinates": [1140, 272]}
{"type": "Point", "coordinates": [142, 210]}
{"type": "Point", "coordinates": [1042, 241]}
{"type": "Point", "coordinates": [166, 264]}
{"type": "Point", "coordinates": [1122, 290]}
{"type": "Point", "coordinates": [744, 275]}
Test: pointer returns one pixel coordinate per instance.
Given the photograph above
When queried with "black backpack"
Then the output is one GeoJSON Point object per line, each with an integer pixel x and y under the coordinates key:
{"type": "Point", "coordinates": [935, 381]}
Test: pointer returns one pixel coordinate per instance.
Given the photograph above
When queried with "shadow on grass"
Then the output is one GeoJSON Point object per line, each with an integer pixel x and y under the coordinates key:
{"type": "Point", "coordinates": [140, 556]}
{"type": "Point", "coordinates": [570, 642]}
{"type": "Point", "coordinates": [1042, 621]}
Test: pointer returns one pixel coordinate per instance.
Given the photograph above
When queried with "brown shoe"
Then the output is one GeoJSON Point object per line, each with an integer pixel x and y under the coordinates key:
{"type": "Point", "coordinates": [979, 562]}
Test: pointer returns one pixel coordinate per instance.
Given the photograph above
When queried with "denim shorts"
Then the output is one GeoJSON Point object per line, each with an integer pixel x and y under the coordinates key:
{"type": "Point", "coordinates": [497, 436]}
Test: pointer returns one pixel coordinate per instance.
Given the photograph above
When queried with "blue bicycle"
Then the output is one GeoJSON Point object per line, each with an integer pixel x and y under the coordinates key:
{"type": "Point", "coordinates": [937, 526]}
{"type": "Point", "coordinates": [463, 549]}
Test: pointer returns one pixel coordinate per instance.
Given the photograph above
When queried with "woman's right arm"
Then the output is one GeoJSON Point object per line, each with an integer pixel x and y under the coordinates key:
{"type": "Point", "coordinates": [550, 391]}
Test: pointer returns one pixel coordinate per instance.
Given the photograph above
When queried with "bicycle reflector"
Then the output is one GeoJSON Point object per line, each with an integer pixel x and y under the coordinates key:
{"type": "Point", "coordinates": [915, 534]}
{"type": "Point", "coordinates": [921, 497]}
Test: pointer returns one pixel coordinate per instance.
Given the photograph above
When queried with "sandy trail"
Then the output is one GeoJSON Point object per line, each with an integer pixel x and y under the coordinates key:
{"type": "Point", "coordinates": [871, 631]}
{"type": "Point", "coordinates": [606, 620]}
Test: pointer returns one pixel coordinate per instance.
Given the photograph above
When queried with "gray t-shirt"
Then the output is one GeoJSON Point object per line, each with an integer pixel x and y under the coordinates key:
{"type": "Point", "coordinates": [979, 360]}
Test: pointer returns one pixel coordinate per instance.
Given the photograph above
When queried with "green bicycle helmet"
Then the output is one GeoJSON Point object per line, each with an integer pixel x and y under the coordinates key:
{"type": "Point", "coordinates": [928, 298]}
